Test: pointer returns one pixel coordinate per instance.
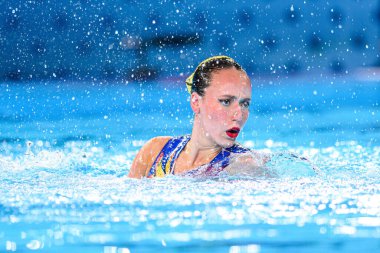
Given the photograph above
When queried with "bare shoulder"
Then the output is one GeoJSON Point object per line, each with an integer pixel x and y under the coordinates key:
{"type": "Point", "coordinates": [159, 140]}
{"type": "Point", "coordinates": [146, 156]}
{"type": "Point", "coordinates": [155, 145]}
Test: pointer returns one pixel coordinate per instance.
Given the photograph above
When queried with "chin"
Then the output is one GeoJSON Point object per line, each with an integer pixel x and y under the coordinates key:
{"type": "Point", "coordinates": [227, 143]}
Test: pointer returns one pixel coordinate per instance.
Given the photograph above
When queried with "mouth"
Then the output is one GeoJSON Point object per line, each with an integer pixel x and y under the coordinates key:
{"type": "Point", "coordinates": [233, 132]}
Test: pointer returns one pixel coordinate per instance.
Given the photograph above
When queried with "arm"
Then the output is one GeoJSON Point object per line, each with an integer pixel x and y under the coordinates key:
{"type": "Point", "coordinates": [271, 165]}
{"type": "Point", "coordinates": [146, 156]}
{"type": "Point", "coordinates": [249, 164]}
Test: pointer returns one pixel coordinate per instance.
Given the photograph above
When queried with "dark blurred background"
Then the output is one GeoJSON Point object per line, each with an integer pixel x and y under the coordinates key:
{"type": "Point", "coordinates": [128, 40]}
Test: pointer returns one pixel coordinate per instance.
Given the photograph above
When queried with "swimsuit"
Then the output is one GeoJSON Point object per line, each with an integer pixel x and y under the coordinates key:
{"type": "Point", "coordinates": [164, 163]}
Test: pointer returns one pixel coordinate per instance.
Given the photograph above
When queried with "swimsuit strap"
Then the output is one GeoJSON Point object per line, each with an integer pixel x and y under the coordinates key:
{"type": "Point", "coordinates": [165, 160]}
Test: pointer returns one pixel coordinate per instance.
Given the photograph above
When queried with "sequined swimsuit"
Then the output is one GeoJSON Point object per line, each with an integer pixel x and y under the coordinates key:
{"type": "Point", "coordinates": [164, 163]}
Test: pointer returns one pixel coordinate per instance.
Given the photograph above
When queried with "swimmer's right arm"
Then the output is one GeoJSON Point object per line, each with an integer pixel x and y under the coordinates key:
{"type": "Point", "coordinates": [146, 156]}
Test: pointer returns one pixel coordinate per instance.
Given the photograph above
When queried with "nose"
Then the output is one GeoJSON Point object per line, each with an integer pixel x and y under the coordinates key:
{"type": "Point", "coordinates": [237, 113]}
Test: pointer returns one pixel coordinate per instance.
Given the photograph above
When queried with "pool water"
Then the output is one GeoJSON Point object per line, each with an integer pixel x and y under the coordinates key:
{"type": "Point", "coordinates": [66, 149]}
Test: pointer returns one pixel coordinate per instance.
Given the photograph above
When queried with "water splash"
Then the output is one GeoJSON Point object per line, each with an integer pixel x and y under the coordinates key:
{"type": "Point", "coordinates": [80, 194]}
{"type": "Point", "coordinates": [263, 164]}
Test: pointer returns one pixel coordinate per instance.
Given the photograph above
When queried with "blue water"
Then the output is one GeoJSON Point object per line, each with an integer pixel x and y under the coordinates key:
{"type": "Point", "coordinates": [66, 149]}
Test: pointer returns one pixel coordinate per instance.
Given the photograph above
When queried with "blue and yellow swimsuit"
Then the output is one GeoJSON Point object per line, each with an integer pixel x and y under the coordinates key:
{"type": "Point", "coordinates": [164, 163]}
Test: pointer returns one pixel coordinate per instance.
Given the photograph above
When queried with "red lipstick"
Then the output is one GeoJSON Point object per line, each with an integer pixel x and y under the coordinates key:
{"type": "Point", "coordinates": [233, 132]}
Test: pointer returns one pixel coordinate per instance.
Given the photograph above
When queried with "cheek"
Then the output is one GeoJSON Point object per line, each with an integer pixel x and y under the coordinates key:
{"type": "Point", "coordinates": [217, 114]}
{"type": "Point", "coordinates": [245, 115]}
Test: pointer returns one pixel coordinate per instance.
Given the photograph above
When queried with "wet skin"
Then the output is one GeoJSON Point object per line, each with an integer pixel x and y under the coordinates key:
{"type": "Point", "coordinates": [224, 108]}
{"type": "Point", "coordinates": [220, 114]}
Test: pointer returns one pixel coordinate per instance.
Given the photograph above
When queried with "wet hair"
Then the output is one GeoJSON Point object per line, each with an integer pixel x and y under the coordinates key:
{"type": "Point", "coordinates": [201, 78]}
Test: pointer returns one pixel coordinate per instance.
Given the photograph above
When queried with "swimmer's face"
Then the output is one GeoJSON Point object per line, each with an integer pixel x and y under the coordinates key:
{"type": "Point", "coordinates": [224, 108]}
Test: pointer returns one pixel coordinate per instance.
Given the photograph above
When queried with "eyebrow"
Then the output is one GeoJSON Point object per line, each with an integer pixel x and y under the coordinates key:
{"type": "Point", "coordinates": [234, 97]}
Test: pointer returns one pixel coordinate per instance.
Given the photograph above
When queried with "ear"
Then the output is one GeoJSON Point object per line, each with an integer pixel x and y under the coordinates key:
{"type": "Point", "coordinates": [194, 102]}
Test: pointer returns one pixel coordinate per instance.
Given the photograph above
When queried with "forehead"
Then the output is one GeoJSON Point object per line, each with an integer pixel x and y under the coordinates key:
{"type": "Point", "coordinates": [229, 81]}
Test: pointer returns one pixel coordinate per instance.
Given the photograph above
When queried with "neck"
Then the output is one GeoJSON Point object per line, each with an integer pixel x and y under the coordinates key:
{"type": "Point", "coordinates": [200, 149]}
{"type": "Point", "coordinates": [197, 155]}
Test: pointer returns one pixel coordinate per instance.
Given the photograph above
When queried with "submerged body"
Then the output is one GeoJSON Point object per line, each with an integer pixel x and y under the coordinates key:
{"type": "Point", "coordinates": [220, 97]}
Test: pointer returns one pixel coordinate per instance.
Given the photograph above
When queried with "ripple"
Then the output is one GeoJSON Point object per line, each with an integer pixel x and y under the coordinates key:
{"type": "Point", "coordinates": [80, 194]}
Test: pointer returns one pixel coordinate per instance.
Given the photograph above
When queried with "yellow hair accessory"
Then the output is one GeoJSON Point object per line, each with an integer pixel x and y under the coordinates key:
{"type": "Point", "coordinates": [189, 80]}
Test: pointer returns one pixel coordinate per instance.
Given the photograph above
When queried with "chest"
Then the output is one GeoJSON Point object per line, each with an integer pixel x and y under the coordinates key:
{"type": "Point", "coordinates": [185, 163]}
{"type": "Point", "coordinates": [181, 165]}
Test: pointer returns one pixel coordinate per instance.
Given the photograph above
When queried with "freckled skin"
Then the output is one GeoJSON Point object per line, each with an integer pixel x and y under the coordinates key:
{"type": "Point", "coordinates": [223, 106]}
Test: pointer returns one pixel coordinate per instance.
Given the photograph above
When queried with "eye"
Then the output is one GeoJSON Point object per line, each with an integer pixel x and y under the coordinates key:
{"type": "Point", "coordinates": [245, 104]}
{"type": "Point", "coordinates": [225, 102]}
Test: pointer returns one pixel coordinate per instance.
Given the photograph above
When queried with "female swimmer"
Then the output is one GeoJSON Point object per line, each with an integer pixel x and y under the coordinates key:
{"type": "Point", "coordinates": [220, 96]}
